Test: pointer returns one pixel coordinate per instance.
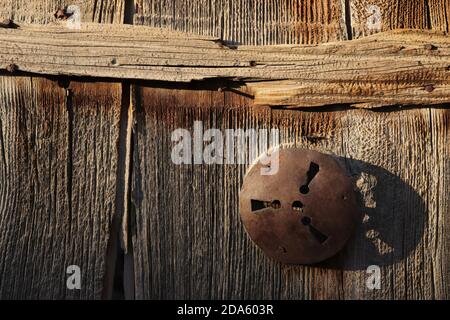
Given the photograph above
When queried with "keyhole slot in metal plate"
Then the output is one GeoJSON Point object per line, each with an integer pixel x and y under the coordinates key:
{"type": "Point", "coordinates": [306, 221]}
{"type": "Point", "coordinates": [258, 205]}
{"type": "Point", "coordinates": [312, 172]}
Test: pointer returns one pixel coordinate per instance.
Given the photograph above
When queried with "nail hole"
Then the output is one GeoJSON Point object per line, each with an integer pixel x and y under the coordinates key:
{"type": "Point", "coordinates": [429, 88]}
{"type": "Point", "coordinates": [297, 206]}
{"type": "Point", "coordinates": [344, 198]}
{"type": "Point", "coordinates": [306, 221]}
{"type": "Point", "coordinates": [252, 63]}
{"type": "Point", "coordinates": [63, 82]}
{"type": "Point", "coordinates": [114, 62]}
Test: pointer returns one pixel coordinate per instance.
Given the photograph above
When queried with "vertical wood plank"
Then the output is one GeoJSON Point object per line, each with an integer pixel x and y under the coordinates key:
{"type": "Point", "coordinates": [392, 14]}
{"type": "Point", "coordinates": [33, 207]}
{"type": "Point", "coordinates": [188, 239]}
{"type": "Point", "coordinates": [95, 119]}
{"type": "Point", "coordinates": [439, 201]}
{"type": "Point", "coordinates": [57, 185]}
{"type": "Point", "coordinates": [260, 22]}
{"type": "Point", "coordinates": [42, 11]}
{"type": "Point", "coordinates": [401, 215]}
{"type": "Point", "coordinates": [439, 11]}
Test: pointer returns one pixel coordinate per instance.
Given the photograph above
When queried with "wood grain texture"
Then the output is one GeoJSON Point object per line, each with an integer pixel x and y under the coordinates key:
{"type": "Point", "coordinates": [413, 14]}
{"type": "Point", "coordinates": [58, 159]}
{"type": "Point", "coordinates": [258, 22]}
{"type": "Point", "coordinates": [398, 67]}
{"type": "Point", "coordinates": [188, 240]}
{"type": "Point", "coordinates": [64, 159]}
{"type": "Point", "coordinates": [42, 11]}
{"type": "Point", "coordinates": [439, 12]}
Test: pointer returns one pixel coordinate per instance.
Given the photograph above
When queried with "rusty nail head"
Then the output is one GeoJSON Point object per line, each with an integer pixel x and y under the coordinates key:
{"type": "Point", "coordinates": [11, 68]}
{"type": "Point", "coordinates": [60, 14]}
{"type": "Point", "coordinates": [303, 214]}
{"type": "Point", "coordinates": [429, 88]}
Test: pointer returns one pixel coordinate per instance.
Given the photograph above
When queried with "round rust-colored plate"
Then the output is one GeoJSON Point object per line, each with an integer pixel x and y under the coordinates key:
{"type": "Point", "coordinates": [304, 213]}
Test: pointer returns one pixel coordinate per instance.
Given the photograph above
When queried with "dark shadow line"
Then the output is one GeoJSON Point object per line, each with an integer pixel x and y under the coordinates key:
{"type": "Point", "coordinates": [348, 19]}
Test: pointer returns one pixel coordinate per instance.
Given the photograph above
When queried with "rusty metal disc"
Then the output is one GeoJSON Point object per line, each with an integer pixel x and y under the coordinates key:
{"type": "Point", "coordinates": [304, 213]}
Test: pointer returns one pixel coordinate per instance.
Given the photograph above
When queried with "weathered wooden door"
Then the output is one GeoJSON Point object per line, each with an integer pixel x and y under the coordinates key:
{"type": "Point", "coordinates": [87, 179]}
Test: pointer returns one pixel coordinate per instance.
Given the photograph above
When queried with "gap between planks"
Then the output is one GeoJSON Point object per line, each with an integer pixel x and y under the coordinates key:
{"type": "Point", "coordinates": [120, 244]}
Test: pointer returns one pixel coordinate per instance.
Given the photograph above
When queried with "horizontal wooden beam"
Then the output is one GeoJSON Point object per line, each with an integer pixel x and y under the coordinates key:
{"type": "Point", "coordinates": [391, 68]}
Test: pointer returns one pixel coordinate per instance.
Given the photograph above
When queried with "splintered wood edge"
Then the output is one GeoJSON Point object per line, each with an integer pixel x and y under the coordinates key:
{"type": "Point", "coordinates": [400, 67]}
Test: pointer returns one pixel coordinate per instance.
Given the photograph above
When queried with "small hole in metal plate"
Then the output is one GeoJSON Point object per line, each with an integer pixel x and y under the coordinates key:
{"type": "Point", "coordinates": [297, 205]}
{"type": "Point", "coordinates": [306, 221]}
{"type": "Point", "coordinates": [276, 204]}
